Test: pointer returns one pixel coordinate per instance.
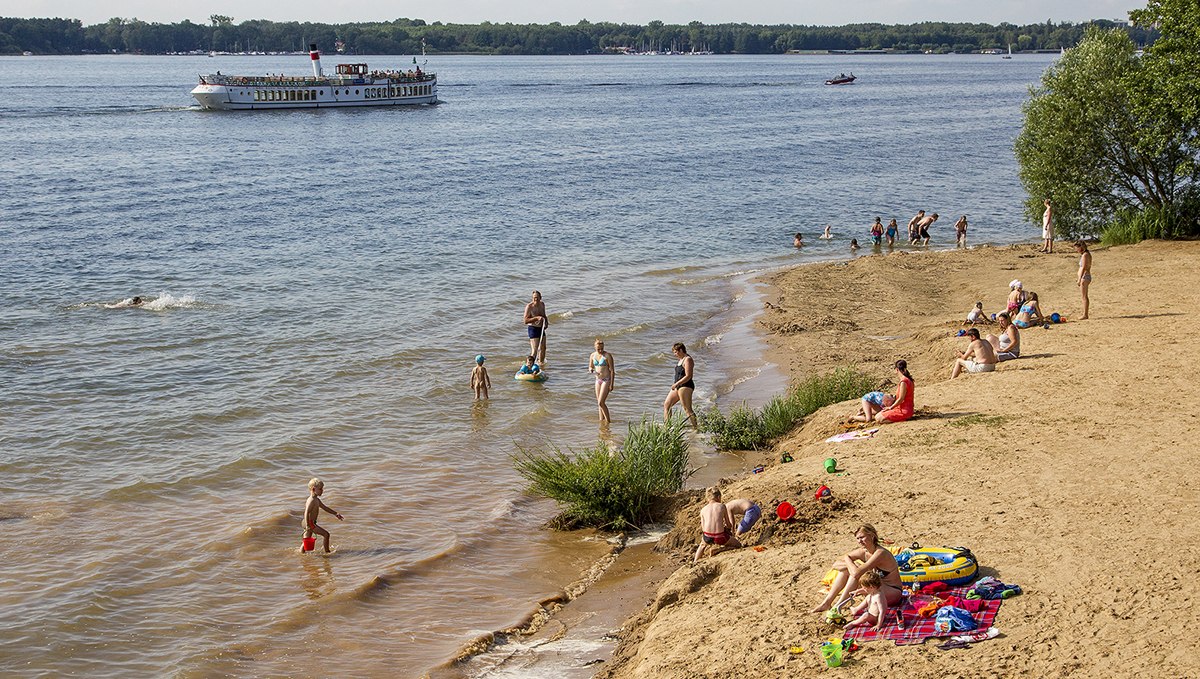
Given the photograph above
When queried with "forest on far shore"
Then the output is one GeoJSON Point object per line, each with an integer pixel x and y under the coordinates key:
{"type": "Point", "coordinates": [409, 36]}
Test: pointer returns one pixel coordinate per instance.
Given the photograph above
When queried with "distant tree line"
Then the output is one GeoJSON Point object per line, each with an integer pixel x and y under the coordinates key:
{"type": "Point", "coordinates": [405, 36]}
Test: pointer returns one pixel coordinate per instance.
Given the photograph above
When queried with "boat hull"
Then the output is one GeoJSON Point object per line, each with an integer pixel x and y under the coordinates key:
{"type": "Point", "coordinates": [249, 98]}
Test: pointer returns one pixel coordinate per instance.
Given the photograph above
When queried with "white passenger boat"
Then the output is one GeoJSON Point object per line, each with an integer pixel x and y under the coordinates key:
{"type": "Point", "coordinates": [353, 85]}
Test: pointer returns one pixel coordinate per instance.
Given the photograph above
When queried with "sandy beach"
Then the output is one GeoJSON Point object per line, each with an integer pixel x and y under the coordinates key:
{"type": "Point", "coordinates": [1067, 471]}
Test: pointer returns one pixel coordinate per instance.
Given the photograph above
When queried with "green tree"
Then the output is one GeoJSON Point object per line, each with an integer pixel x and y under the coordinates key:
{"type": "Point", "coordinates": [1172, 65]}
{"type": "Point", "coordinates": [1084, 143]}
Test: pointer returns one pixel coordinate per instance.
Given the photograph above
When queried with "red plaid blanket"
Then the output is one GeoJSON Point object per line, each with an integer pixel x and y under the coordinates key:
{"type": "Point", "coordinates": [917, 629]}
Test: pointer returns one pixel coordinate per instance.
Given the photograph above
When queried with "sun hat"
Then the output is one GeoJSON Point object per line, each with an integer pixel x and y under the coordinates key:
{"type": "Point", "coordinates": [1014, 284]}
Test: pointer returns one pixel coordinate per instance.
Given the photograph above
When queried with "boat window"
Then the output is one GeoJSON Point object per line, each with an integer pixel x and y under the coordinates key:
{"type": "Point", "coordinates": [356, 91]}
{"type": "Point", "coordinates": [312, 95]}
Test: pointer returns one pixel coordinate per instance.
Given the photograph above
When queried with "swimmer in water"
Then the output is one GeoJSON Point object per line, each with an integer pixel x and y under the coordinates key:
{"type": "Point", "coordinates": [125, 303]}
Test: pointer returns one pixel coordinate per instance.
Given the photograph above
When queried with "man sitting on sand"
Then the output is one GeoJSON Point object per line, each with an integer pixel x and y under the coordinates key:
{"type": "Point", "coordinates": [716, 524]}
{"type": "Point", "coordinates": [979, 356]}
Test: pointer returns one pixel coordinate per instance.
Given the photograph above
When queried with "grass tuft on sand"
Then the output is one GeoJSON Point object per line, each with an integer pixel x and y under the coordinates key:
{"type": "Point", "coordinates": [746, 429]}
{"type": "Point", "coordinates": [606, 488]}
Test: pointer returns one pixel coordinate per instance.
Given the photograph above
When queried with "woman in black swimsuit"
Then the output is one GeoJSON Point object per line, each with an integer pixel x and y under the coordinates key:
{"type": "Point", "coordinates": [681, 390]}
{"type": "Point", "coordinates": [870, 555]}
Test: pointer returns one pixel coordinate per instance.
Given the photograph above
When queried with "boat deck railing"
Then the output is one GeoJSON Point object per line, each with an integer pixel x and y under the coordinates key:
{"type": "Point", "coordinates": [395, 77]}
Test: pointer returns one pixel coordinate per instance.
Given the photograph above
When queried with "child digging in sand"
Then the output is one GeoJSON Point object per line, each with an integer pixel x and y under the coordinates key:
{"type": "Point", "coordinates": [480, 381]}
{"type": "Point", "coordinates": [716, 524]}
{"type": "Point", "coordinates": [312, 508]}
{"type": "Point", "coordinates": [872, 610]}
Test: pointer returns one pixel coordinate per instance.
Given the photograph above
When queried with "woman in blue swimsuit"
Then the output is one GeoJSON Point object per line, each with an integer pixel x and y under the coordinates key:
{"type": "Point", "coordinates": [602, 365]}
{"type": "Point", "coordinates": [683, 386]}
{"type": "Point", "coordinates": [1030, 313]}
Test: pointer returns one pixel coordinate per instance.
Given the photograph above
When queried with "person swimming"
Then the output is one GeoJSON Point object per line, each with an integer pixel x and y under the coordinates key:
{"type": "Point", "coordinates": [125, 303]}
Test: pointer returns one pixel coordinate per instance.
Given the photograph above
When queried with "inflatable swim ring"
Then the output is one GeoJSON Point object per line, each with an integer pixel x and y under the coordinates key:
{"type": "Point", "coordinates": [526, 377]}
{"type": "Point", "coordinates": [952, 565]}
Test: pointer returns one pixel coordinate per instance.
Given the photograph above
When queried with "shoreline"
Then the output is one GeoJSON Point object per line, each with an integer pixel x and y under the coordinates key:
{"type": "Point", "coordinates": [1031, 492]}
{"type": "Point", "coordinates": [740, 332]}
{"type": "Point", "coordinates": [759, 289]}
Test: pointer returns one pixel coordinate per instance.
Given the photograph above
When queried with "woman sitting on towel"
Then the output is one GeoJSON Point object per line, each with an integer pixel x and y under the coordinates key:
{"type": "Point", "coordinates": [870, 555]}
{"type": "Point", "coordinates": [901, 407]}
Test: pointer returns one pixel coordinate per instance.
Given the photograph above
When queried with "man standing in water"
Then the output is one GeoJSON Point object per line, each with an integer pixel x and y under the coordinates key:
{"type": "Point", "coordinates": [914, 234]}
{"type": "Point", "coordinates": [535, 326]}
{"type": "Point", "coordinates": [1048, 229]}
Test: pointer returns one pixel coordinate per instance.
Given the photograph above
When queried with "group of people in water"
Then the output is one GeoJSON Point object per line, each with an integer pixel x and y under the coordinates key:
{"type": "Point", "coordinates": [918, 232]}
{"type": "Point", "coordinates": [602, 366]}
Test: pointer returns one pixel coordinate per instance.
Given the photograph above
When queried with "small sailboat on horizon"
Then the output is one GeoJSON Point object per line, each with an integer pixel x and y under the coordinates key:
{"type": "Point", "coordinates": [1009, 55]}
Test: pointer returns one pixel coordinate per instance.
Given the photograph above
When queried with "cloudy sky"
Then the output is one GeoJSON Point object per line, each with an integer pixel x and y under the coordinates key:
{"type": "Point", "coordinates": [822, 12]}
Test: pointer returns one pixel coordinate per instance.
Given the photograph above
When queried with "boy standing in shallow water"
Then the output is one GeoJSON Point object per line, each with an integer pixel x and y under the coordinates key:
{"type": "Point", "coordinates": [312, 508]}
{"type": "Point", "coordinates": [716, 524]}
{"type": "Point", "coordinates": [480, 381]}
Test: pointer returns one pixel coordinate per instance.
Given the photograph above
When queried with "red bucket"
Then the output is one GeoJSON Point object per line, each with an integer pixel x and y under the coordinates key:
{"type": "Point", "coordinates": [308, 544]}
{"type": "Point", "coordinates": [785, 511]}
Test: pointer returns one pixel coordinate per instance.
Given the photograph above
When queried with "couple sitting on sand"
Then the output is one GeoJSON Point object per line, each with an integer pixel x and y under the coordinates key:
{"type": "Point", "coordinates": [982, 355]}
{"type": "Point", "coordinates": [882, 408]}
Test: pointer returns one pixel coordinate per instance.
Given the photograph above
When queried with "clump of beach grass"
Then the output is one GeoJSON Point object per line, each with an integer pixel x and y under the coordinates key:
{"type": "Point", "coordinates": [746, 429]}
{"type": "Point", "coordinates": [1135, 225]}
{"type": "Point", "coordinates": [606, 488]}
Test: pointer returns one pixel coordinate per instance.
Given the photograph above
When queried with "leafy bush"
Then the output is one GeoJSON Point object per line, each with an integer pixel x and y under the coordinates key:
{"type": "Point", "coordinates": [745, 429]}
{"type": "Point", "coordinates": [609, 488]}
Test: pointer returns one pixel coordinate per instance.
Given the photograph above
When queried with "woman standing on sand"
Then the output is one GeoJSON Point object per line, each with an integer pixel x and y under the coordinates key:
{"type": "Point", "coordinates": [602, 365]}
{"type": "Point", "coordinates": [683, 387]}
{"type": "Point", "coordinates": [872, 556]}
{"type": "Point", "coordinates": [1085, 274]}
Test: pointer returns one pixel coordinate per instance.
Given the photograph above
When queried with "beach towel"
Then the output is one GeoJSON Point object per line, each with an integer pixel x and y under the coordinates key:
{"type": "Point", "coordinates": [917, 629]}
{"type": "Point", "coordinates": [852, 436]}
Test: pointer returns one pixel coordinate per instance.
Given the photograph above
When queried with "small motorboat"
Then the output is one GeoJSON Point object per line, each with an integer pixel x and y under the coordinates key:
{"type": "Point", "coordinates": [842, 79]}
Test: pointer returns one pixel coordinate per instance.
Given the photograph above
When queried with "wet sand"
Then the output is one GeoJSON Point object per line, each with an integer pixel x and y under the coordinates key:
{"type": "Point", "coordinates": [1069, 471]}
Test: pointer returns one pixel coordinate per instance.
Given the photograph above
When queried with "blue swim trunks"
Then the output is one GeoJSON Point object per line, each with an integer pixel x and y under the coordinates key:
{"type": "Point", "coordinates": [875, 397]}
{"type": "Point", "coordinates": [749, 519]}
{"type": "Point", "coordinates": [534, 331]}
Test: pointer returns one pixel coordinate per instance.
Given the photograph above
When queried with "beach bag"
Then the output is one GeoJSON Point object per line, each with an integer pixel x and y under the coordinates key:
{"type": "Point", "coordinates": [951, 619]}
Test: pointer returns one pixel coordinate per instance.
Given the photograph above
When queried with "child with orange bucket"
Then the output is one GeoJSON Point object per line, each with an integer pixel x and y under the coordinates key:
{"type": "Point", "coordinates": [311, 509]}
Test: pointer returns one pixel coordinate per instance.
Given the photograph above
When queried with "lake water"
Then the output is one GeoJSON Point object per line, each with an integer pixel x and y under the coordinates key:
{"type": "Point", "coordinates": [320, 283]}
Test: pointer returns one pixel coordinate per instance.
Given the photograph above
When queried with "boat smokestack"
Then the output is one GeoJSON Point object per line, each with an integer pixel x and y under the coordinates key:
{"type": "Point", "coordinates": [316, 59]}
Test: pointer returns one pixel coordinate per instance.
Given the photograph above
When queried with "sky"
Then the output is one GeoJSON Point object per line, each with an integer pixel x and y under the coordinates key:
{"type": "Point", "coordinates": [813, 12]}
